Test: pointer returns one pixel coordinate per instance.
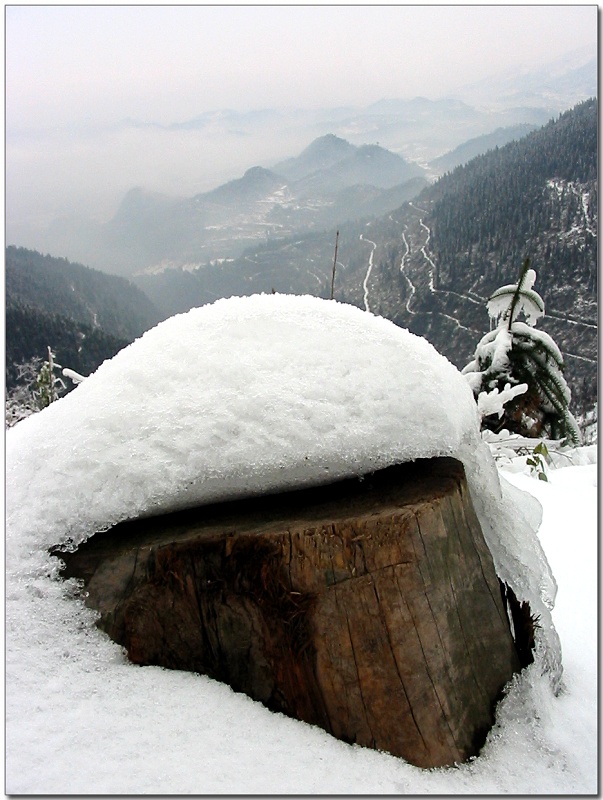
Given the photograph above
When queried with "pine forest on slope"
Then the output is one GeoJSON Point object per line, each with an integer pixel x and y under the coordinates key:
{"type": "Point", "coordinates": [30, 331]}
{"type": "Point", "coordinates": [86, 316]}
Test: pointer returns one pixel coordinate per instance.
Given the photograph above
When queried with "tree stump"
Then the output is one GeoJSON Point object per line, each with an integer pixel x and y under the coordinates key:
{"type": "Point", "coordinates": [368, 607]}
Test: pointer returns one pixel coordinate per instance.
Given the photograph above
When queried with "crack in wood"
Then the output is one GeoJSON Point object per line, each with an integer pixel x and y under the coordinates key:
{"type": "Point", "coordinates": [399, 674]}
{"type": "Point", "coordinates": [444, 715]}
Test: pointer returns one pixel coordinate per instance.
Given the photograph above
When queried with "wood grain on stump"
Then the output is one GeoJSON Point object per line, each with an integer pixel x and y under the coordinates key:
{"type": "Point", "coordinates": [368, 607]}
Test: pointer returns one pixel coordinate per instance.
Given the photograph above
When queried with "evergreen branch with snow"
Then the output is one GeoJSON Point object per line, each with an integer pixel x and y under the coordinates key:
{"type": "Point", "coordinates": [514, 354]}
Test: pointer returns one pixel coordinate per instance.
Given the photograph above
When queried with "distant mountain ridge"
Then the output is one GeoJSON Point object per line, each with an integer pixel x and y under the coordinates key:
{"type": "Point", "coordinates": [478, 146]}
{"type": "Point", "coordinates": [256, 184]}
{"type": "Point", "coordinates": [331, 163]}
{"type": "Point", "coordinates": [566, 81]}
{"type": "Point", "coordinates": [376, 166]}
{"type": "Point", "coordinates": [228, 141]}
{"type": "Point", "coordinates": [333, 181]}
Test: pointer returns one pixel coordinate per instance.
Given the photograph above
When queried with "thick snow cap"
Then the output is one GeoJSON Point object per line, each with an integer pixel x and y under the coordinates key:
{"type": "Point", "coordinates": [249, 395]}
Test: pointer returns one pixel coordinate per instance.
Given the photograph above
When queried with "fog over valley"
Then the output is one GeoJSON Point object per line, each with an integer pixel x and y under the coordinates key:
{"type": "Point", "coordinates": [152, 101]}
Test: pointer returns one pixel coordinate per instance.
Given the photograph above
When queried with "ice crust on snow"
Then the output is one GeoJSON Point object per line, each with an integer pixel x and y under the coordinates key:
{"type": "Point", "coordinates": [252, 395]}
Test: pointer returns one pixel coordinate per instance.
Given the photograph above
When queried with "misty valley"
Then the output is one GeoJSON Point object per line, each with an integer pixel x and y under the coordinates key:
{"type": "Point", "coordinates": [421, 243]}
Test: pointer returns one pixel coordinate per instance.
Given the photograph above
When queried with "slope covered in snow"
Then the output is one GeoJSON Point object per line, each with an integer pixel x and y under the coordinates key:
{"type": "Point", "coordinates": [248, 395]}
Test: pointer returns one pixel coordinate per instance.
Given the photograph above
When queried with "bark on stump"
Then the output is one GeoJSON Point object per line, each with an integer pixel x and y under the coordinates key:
{"type": "Point", "coordinates": [368, 607]}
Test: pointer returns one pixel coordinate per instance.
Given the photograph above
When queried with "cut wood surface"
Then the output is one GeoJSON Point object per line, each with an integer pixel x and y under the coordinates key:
{"type": "Point", "coordinates": [368, 607]}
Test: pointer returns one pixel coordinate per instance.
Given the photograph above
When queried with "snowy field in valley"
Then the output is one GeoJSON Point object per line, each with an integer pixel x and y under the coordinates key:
{"type": "Point", "coordinates": [255, 395]}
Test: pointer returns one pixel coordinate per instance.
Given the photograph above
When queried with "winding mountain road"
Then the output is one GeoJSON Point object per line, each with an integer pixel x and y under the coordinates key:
{"type": "Point", "coordinates": [368, 272]}
{"type": "Point", "coordinates": [416, 236]}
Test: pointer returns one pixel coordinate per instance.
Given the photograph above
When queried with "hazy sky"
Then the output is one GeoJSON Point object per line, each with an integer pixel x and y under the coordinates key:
{"type": "Point", "coordinates": [85, 64]}
{"type": "Point", "coordinates": [73, 73]}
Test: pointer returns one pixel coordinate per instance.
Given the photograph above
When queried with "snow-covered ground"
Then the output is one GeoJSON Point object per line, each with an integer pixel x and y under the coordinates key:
{"type": "Point", "coordinates": [261, 394]}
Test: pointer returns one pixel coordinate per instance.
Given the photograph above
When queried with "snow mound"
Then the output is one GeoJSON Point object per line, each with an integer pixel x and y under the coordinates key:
{"type": "Point", "coordinates": [252, 395]}
{"type": "Point", "coordinates": [248, 395]}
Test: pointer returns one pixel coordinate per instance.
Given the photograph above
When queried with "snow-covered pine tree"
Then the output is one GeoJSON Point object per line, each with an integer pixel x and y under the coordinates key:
{"type": "Point", "coordinates": [513, 354]}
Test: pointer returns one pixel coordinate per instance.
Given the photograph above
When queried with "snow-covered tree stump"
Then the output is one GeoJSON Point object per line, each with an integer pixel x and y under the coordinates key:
{"type": "Point", "coordinates": [370, 608]}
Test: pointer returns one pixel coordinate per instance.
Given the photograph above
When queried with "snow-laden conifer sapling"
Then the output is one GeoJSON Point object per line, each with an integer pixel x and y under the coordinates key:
{"type": "Point", "coordinates": [38, 386]}
{"type": "Point", "coordinates": [517, 371]}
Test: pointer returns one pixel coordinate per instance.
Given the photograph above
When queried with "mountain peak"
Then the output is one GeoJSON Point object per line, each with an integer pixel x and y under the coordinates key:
{"type": "Point", "coordinates": [329, 140]}
{"type": "Point", "coordinates": [372, 149]}
{"type": "Point", "coordinates": [328, 148]}
{"type": "Point", "coordinates": [322, 153]}
{"type": "Point", "coordinates": [139, 200]}
{"type": "Point", "coordinates": [255, 182]}
{"type": "Point", "coordinates": [258, 174]}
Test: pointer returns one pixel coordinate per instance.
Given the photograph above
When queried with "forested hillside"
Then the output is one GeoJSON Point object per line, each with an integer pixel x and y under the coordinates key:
{"type": "Point", "coordinates": [84, 315]}
{"type": "Point", "coordinates": [536, 197]}
{"type": "Point", "coordinates": [438, 258]}
{"type": "Point", "coordinates": [86, 295]}
{"type": "Point", "coordinates": [30, 331]}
